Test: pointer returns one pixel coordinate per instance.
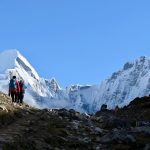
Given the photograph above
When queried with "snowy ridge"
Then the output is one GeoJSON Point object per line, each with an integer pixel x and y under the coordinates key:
{"type": "Point", "coordinates": [132, 81]}
{"type": "Point", "coordinates": [10, 57]}
{"type": "Point", "coordinates": [123, 86]}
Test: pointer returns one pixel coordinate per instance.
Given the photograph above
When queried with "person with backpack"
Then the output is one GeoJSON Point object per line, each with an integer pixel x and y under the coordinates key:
{"type": "Point", "coordinates": [14, 89]}
{"type": "Point", "coordinates": [17, 91]}
{"type": "Point", "coordinates": [22, 91]}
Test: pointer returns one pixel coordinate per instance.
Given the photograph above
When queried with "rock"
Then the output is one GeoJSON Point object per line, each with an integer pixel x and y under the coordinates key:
{"type": "Point", "coordinates": [30, 122]}
{"type": "Point", "coordinates": [98, 148]}
{"type": "Point", "coordinates": [104, 107]}
{"type": "Point", "coordinates": [28, 130]}
{"type": "Point", "coordinates": [27, 113]}
{"type": "Point", "coordinates": [144, 129]}
{"type": "Point", "coordinates": [75, 125]}
{"type": "Point", "coordinates": [5, 138]}
{"type": "Point", "coordinates": [3, 108]}
{"type": "Point", "coordinates": [116, 109]}
{"type": "Point", "coordinates": [87, 115]}
{"type": "Point", "coordinates": [72, 111]}
{"type": "Point", "coordinates": [56, 148]}
{"type": "Point", "coordinates": [45, 110]}
{"type": "Point", "coordinates": [61, 118]}
{"type": "Point", "coordinates": [99, 130]}
{"type": "Point", "coordinates": [147, 147]}
{"type": "Point", "coordinates": [84, 134]}
{"type": "Point", "coordinates": [108, 121]}
{"type": "Point", "coordinates": [63, 113]}
{"type": "Point", "coordinates": [86, 140]}
{"type": "Point", "coordinates": [98, 139]}
{"type": "Point", "coordinates": [100, 119]}
{"type": "Point", "coordinates": [142, 123]}
{"type": "Point", "coordinates": [118, 137]}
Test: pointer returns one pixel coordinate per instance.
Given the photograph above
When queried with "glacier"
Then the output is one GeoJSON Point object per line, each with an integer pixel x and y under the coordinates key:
{"type": "Point", "coordinates": [132, 81]}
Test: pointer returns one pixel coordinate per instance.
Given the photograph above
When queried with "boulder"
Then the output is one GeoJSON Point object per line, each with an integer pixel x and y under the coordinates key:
{"type": "Point", "coordinates": [118, 137]}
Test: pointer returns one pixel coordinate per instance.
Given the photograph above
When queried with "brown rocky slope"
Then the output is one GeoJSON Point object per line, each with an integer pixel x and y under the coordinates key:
{"type": "Point", "coordinates": [25, 128]}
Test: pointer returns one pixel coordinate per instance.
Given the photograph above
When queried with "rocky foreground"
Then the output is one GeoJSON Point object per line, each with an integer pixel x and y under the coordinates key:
{"type": "Point", "coordinates": [26, 128]}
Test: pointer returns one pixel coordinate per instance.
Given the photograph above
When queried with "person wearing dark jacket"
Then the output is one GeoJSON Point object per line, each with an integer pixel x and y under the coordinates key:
{"type": "Point", "coordinates": [17, 91]}
{"type": "Point", "coordinates": [14, 89]}
{"type": "Point", "coordinates": [22, 91]}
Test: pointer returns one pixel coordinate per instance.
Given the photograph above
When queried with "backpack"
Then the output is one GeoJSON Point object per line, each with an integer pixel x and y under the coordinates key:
{"type": "Point", "coordinates": [12, 84]}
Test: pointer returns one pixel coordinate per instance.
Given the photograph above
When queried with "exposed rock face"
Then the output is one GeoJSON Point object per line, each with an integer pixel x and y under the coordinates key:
{"type": "Point", "coordinates": [53, 86]}
{"type": "Point", "coordinates": [24, 127]}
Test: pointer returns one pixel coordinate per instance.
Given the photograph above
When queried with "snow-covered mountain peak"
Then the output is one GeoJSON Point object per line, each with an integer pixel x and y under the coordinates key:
{"type": "Point", "coordinates": [13, 63]}
{"type": "Point", "coordinates": [76, 87]}
{"type": "Point", "coordinates": [132, 81]}
{"type": "Point", "coordinates": [11, 53]}
{"type": "Point", "coordinates": [7, 60]}
{"type": "Point", "coordinates": [24, 64]}
{"type": "Point", "coordinates": [12, 59]}
{"type": "Point", "coordinates": [141, 61]}
{"type": "Point", "coordinates": [140, 64]}
{"type": "Point", "coordinates": [124, 85]}
{"type": "Point", "coordinates": [52, 85]}
{"type": "Point", "coordinates": [143, 58]}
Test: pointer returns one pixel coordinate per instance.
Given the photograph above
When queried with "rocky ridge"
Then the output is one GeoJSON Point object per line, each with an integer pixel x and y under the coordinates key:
{"type": "Point", "coordinates": [23, 127]}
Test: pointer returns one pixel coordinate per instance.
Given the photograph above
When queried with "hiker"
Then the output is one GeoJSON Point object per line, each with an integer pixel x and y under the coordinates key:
{"type": "Point", "coordinates": [17, 91]}
{"type": "Point", "coordinates": [14, 89]}
{"type": "Point", "coordinates": [22, 91]}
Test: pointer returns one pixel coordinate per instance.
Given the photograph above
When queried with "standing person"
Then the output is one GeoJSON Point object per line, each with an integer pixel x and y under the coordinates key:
{"type": "Point", "coordinates": [22, 91]}
{"type": "Point", "coordinates": [13, 89]}
{"type": "Point", "coordinates": [17, 91]}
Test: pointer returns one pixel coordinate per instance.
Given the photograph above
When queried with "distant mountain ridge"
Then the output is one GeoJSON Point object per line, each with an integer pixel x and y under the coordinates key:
{"type": "Point", "coordinates": [133, 80]}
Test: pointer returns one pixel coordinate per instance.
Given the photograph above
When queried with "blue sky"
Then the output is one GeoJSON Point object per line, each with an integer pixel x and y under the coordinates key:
{"type": "Point", "coordinates": [76, 41]}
